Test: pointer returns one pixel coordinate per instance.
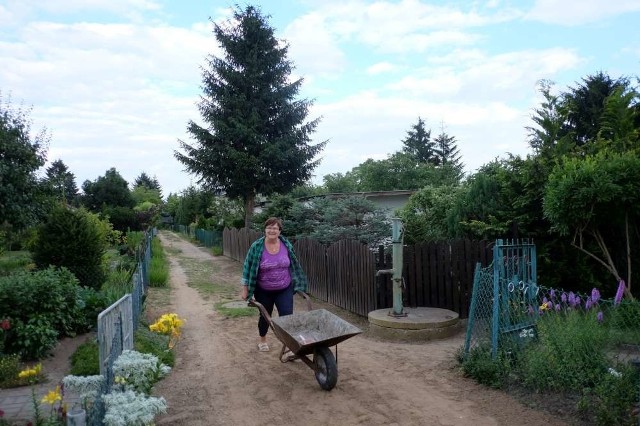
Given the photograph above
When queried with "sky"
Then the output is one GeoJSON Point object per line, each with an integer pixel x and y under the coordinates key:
{"type": "Point", "coordinates": [115, 82]}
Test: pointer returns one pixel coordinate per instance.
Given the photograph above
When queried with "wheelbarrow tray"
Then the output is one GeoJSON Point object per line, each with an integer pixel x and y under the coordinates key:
{"type": "Point", "coordinates": [302, 332]}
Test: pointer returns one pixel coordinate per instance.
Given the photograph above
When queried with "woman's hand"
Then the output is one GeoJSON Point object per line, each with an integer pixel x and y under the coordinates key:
{"type": "Point", "coordinates": [244, 293]}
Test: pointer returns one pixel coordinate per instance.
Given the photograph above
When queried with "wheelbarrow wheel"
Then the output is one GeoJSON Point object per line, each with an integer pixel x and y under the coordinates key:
{"type": "Point", "coordinates": [325, 367]}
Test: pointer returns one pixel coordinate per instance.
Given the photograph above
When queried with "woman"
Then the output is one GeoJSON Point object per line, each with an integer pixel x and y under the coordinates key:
{"type": "Point", "coordinates": [272, 274]}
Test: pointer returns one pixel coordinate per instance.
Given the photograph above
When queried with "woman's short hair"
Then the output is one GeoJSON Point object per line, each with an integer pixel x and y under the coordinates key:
{"type": "Point", "coordinates": [273, 221]}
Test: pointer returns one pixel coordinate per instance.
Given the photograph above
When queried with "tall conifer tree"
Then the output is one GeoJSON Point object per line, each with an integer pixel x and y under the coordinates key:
{"type": "Point", "coordinates": [256, 139]}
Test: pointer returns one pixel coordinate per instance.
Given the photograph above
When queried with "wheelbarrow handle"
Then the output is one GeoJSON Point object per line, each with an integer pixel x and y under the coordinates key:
{"type": "Point", "coordinates": [265, 314]}
{"type": "Point", "coordinates": [307, 299]}
{"type": "Point", "coordinates": [262, 309]}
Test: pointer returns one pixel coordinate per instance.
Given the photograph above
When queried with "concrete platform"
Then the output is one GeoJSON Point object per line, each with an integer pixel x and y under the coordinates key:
{"type": "Point", "coordinates": [420, 324]}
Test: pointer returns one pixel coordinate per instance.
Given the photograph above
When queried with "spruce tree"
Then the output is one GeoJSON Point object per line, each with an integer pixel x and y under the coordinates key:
{"type": "Point", "coordinates": [256, 139]}
{"type": "Point", "coordinates": [418, 143]}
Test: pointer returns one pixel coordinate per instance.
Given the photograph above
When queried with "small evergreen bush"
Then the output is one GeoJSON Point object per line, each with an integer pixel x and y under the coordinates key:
{"type": "Point", "coordinates": [70, 238]}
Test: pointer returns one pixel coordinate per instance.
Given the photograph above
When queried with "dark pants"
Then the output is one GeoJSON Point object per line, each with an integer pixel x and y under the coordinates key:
{"type": "Point", "coordinates": [282, 299]}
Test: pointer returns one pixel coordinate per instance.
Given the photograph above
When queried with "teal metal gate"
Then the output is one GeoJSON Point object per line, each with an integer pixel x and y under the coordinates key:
{"type": "Point", "coordinates": [504, 305]}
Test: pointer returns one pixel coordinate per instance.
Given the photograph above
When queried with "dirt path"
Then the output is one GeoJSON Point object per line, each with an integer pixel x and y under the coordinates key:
{"type": "Point", "coordinates": [221, 379]}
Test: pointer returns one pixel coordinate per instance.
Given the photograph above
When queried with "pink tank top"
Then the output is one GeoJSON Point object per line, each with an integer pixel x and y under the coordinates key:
{"type": "Point", "coordinates": [274, 269]}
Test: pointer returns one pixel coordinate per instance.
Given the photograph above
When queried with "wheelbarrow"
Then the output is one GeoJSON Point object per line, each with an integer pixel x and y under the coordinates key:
{"type": "Point", "coordinates": [311, 333]}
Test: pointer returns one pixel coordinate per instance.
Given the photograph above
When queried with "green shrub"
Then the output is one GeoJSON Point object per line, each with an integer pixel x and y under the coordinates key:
{"type": "Point", "coordinates": [217, 250]}
{"type": "Point", "coordinates": [71, 238]}
{"type": "Point", "coordinates": [33, 339]}
{"type": "Point", "coordinates": [480, 366]}
{"type": "Point", "coordinates": [9, 369]}
{"type": "Point", "coordinates": [47, 303]}
{"type": "Point", "coordinates": [122, 218]}
{"type": "Point", "coordinates": [569, 354]}
{"type": "Point", "coordinates": [612, 399]}
{"type": "Point", "coordinates": [89, 305]}
{"type": "Point", "coordinates": [85, 361]}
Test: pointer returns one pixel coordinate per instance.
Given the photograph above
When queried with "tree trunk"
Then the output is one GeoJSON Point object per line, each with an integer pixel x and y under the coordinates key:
{"type": "Point", "coordinates": [249, 203]}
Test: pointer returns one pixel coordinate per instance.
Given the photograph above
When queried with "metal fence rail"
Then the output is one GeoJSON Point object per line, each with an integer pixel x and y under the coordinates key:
{"type": "Point", "coordinates": [207, 238]}
{"type": "Point", "coordinates": [511, 315]}
{"type": "Point", "coordinates": [117, 324]}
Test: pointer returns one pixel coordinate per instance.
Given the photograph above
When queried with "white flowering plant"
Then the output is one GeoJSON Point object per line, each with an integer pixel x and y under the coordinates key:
{"type": "Point", "coordinates": [128, 402]}
{"type": "Point", "coordinates": [86, 387]}
{"type": "Point", "coordinates": [138, 372]}
{"type": "Point", "coordinates": [129, 408]}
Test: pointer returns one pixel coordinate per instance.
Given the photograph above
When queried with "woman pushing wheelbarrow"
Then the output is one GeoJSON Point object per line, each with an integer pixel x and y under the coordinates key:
{"type": "Point", "coordinates": [271, 275]}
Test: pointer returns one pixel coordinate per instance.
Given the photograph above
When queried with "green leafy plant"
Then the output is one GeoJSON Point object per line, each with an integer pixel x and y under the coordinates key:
{"type": "Point", "coordinates": [72, 238]}
{"type": "Point", "coordinates": [35, 338]}
{"type": "Point", "coordinates": [569, 354]}
{"type": "Point", "coordinates": [480, 366]}
{"type": "Point", "coordinates": [9, 369]}
{"type": "Point", "coordinates": [614, 396]}
{"type": "Point", "coordinates": [48, 303]}
{"type": "Point", "coordinates": [85, 361]}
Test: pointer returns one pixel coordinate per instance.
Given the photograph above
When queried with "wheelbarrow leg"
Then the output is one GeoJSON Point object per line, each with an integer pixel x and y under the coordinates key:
{"type": "Point", "coordinates": [289, 357]}
{"type": "Point", "coordinates": [325, 367]}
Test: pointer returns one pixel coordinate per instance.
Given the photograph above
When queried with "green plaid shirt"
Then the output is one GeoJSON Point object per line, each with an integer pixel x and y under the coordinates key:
{"type": "Point", "coordinates": [252, 264]}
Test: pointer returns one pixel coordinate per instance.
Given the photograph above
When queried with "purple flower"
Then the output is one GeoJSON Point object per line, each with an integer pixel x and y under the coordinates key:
{"type": "Point", "coordinates": [587, 304]}
{"type": "Point", "coordinates": [578, 301]}
{"type": "Point", "coordinates": [600, 316]}
{"type": "Point", "coordinates": [557, 307]}
{"type": "Point", "coordinates": [563, 297]}
{"type": "Point", "coordinates": [572, 299]}
{"type": "Point", "coordinates": [552, 294]}
{"type": "Point", "coordinates": [595, 295]}
{"type": "Point", "coordinates": [619, 293]}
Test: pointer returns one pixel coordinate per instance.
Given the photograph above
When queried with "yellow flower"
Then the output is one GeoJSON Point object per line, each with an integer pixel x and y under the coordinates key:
{"type": "Point", "coordinates": [168, 324]}
{"type": "Point", "coordinates": [30, 372]}
{"type": "Point", "coordinates": [120, 380]}
{"type": "Point", "coordinates": [53, 396]}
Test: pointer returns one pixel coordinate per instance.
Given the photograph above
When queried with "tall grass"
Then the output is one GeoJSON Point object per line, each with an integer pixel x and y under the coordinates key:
{"type": "Point", "coordinates": [158, 268]}
{"type": "Point", "coordinates": [13, 261]}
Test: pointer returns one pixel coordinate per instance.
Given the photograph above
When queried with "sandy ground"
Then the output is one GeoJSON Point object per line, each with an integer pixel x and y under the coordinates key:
{"type": "Point", "coordinates": [221, 379]}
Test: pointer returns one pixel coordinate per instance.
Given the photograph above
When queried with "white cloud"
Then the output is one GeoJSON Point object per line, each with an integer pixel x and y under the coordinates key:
{"type": "Point", "coordinates": [382, 68]}
{"type": "Point", "coordinates": [576, 12]}
{"type": "Point", "coordinates": [475, 77]}
{"type": "Point", "coordinates": [408, 25]}
{"type": "Point", "coordinates": [370, 126]}
{"type": "Point", "coordinates": [313, 48]}
{"type": "Point", "coordinates": [103, 89]}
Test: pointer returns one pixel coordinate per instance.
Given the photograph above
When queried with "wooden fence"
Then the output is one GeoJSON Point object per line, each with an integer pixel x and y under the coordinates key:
{"type": "Point", "coordinates": [436, 275]}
